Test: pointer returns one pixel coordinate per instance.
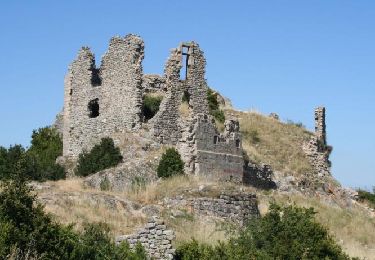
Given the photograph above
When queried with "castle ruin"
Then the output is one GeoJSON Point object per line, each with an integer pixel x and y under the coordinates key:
{"type": "Point", "coordinates": [101, 101]}
{"type": "Point", "coordinates": [316, 149]}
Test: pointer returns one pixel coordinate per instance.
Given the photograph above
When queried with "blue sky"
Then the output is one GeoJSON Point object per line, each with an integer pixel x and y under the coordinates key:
{"type": "Point", "coordinates": [273, 56]}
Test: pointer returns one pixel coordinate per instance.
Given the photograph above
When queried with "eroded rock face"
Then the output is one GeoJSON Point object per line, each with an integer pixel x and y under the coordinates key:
{"type": "Point", "coordinates": [155, 238]}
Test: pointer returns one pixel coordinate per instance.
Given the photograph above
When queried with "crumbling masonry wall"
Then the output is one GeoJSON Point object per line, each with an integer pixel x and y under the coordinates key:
{"type": "Point", "coordinates": [113, 91]}
{"type": "Point", "coordinates": [203, 149]}
{"type": "Point", "coordinates": [316, 149]}
{"type": "Point", "coordinates": [154, 237]}
{"type": "Point", "coordinates": [103, 101]}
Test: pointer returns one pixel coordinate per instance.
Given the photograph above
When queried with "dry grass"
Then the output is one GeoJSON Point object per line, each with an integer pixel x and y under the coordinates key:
{"type": "Point", "coordinates": [270, 141]}
{"type": "Point", "coordinates": [352, 227]}
{"type": "Point", "coordinates": [203, 229]}
{"type": "Point", "coordinates": [70, 203]}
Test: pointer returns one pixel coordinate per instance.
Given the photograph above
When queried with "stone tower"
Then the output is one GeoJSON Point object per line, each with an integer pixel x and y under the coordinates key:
{"type": "Point", "coordinates": [320, 125]}
{"type": "Point", "coordinates": [101, 101]}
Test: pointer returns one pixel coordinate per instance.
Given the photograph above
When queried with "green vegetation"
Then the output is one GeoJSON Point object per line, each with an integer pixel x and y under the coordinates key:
{"type": "Point", "coordinates": [366, 196]}
{"type": "Point", "coordinates": [26, 232]}
{"type": "Point", "coordinates": [213, 106]}
{"type": "Point", "coordinates": [170, 164]}
{"type": "Point", "coordinates": [283, 233]}
{"type": "Point", "coordinates": [151, 105]}
{"type": "Point", "coordinates": [105, 184]}
{"type": "Point", "coordinates": [40, 158]}
{"type": "Point", "coordinates": [101, 156]}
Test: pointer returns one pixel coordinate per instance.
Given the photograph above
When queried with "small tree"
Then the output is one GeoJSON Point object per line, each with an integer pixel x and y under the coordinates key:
{"type": "Point", "coordinates": [46, 146]}
{"type": "Point", "coordinates": [214, 107]}
{"type": "Point", "coordinates": [101, 156]}
{"type": "Point", "coordinates": [170, 164]}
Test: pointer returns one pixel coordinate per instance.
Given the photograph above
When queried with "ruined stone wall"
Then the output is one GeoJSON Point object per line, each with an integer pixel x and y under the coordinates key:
{"type": "Point", "coordinates": [195, 82]}
{"type": "Point", "coordinates": [219, 154]}
{"type": "Point", "coordinates": [155, 238]}
{"type": "Point", "coordinates": [165, 122]}
{"type": "Point", "coordinates": [115, 88]}
{"type": "Point", "coordinates": [316, 148]}
{"type": "Point", "coordinates": [238, 208]}
{"type": "Point", "coordinates": [153, 83]}
{"type": "Point", "coordinates": [320, 125]}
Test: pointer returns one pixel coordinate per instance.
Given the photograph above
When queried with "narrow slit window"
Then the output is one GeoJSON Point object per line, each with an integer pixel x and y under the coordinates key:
{"type": "Point", "coordinates": [93, 108]}
{"type": "Point", "coordinates": [216, 139]}
{"type": "Point", "coordinates": [238, 143]}
{"type": "Point", "coordinates": [185, 62]}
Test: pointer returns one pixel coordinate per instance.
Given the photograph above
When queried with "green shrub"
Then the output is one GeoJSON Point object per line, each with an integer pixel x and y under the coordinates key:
{"type": "Point", "coordinates": [213, 106]}
{"type": "Point", "coordinates": [39, 160]}
{"type": "Point", "coordinates": [46, 146]}
{"type": "Point", "coordinates": [151, 106]}
{"type": "Point", "coordinates": [101, 156]}
{"type": "Point", "coordinates": [105, 184]}
{"type": "Point", "coordinates": [170, 164]}
{"type": "Point", "coordinates": [283, 233]}
{"type": "Point", "coordinates": [367, 196]}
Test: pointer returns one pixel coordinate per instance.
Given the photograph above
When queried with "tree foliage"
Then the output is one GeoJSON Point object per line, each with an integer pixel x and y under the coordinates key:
{"type": "Point", "coordinates": [101, 156]}
{"type": "Point", "coordinates": [283, 233]}
{"type": "Point", "coordinates": [38, 161]}
{"type": "Point", "coordinates": [170, 164]}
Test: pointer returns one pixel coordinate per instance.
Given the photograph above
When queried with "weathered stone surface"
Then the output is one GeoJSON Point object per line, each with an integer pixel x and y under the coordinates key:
{"type": "Point", "coordinates": [155, 237]}
{"type": "Point", "coordinates": [107, 101]}
{"type": "Point", "coordinates": [316, 149]}
{"type": "Point", "coordinates": [237, 207]}
{"type": "Point", "coordinates": [113, 91]}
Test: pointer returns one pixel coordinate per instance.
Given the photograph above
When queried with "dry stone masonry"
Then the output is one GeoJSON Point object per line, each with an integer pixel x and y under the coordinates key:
{"type": "Point", "coordinates": [238, 208]}
{"type": "Point", "coordinates": [107, 100]}
{"type": "Point", "coordinates": [154, 237]}
{"type": "Point", "coordinates": [316, 149]}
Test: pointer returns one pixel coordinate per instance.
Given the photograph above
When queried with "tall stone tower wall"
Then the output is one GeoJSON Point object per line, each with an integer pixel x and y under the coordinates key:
{"type": "Point", "coordinates": [320, 125]}
{"type": "Point", "coordinates": [99, 102]}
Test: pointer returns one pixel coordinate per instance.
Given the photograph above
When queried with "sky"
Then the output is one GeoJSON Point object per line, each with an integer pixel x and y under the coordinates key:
{"type": "Point", "coordinates": [283, 56]}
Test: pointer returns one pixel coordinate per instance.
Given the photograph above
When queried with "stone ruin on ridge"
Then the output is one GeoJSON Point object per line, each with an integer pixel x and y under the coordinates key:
{"type": "Point", "coordinates": [102, 101]}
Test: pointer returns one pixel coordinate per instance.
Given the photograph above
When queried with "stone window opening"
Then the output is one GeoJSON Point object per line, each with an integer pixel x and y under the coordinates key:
{"type": "Point", "coordinates": [238, 143]}
{"type": "Point", "coordinates": [71, 92]}
{"type": "Point", "coordinates": [96, 80]}
{"type": "Point", "coordinates": [93, 108]}
{"type": "Point", "coordinates": [216, 139]}
{"type": "Point", "coordinates": [185, 63]}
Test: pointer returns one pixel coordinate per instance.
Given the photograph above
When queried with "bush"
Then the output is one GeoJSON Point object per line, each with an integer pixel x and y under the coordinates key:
{"type": "Point", "coordinates": [283, 233]}
{"type": "Point", "coordinates": [170, 164]}
{"type": "Point", "coordinates": [39, 160]}
{"type": "Point", "coordinates": [151, 106]}
{"type": "Point", "coordinates": [46, 146]}
{"type": "Point", "coordinates": [101, 156]}
{"type": "Point", "coordinates": [213, 106]}
{"type": "Point", "coordinates": [367, 196]}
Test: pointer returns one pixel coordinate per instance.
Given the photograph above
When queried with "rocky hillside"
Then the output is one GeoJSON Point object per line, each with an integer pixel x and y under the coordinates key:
{"type": "Point", "coordinates": [188, 204]}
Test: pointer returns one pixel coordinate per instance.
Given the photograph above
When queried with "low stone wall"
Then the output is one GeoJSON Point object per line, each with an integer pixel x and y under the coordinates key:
{"type": "Point", "coordinates": [236, 207]}
{"type": "Point", "coordinates": [155, 238]}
